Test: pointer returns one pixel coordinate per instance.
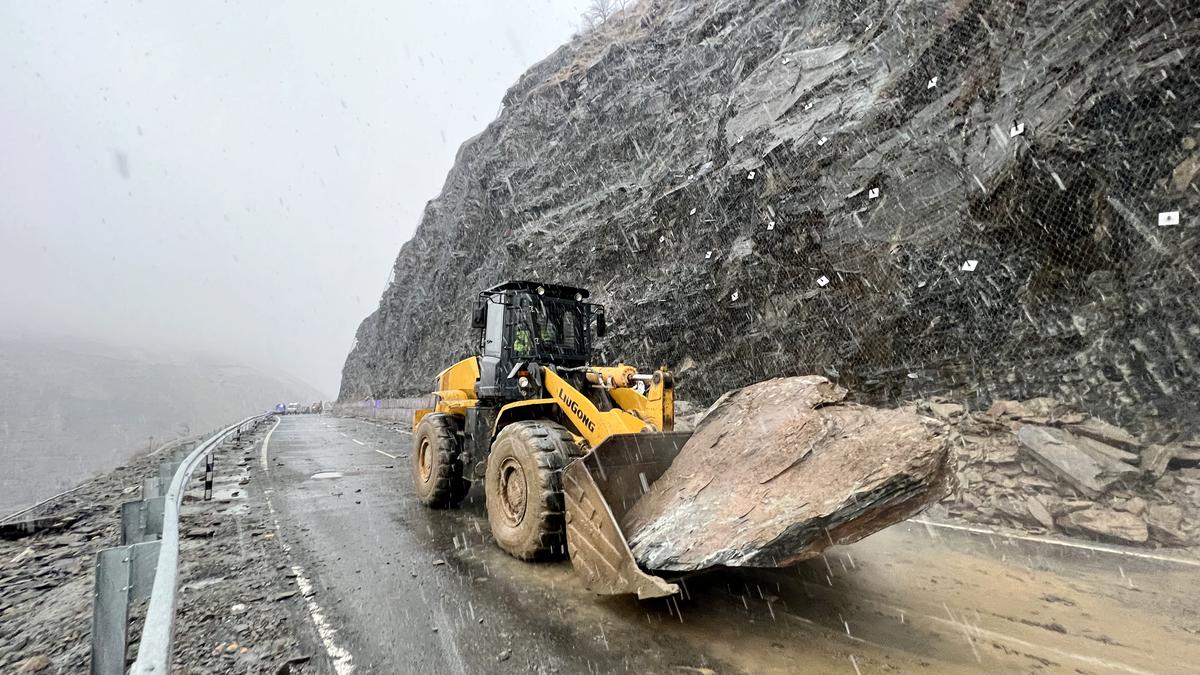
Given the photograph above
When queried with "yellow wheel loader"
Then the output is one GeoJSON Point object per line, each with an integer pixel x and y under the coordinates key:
{"type": "Point", "coordinates": [571, 453]}
{"type": "Point", "coordinates": [563, 447]}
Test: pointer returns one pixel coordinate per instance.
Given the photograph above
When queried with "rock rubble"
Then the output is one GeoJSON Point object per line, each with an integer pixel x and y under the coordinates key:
{"type": "Point", "coordinates": [1044, 467]}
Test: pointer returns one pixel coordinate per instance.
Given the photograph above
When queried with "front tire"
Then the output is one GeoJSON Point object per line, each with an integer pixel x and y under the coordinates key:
{"type": "Point", "coordinates": [525, 502]}
{"type": "Point", "coordinates": [437, 463]}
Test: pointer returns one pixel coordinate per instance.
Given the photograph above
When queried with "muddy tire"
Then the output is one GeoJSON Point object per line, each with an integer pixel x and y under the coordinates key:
{"type": "Point", "coordinates": [436, 464]}
{"type": "Point", "coordinates": [525, 502]}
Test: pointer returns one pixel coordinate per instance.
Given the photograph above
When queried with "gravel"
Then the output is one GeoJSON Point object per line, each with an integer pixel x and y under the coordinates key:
{"type": "Point", "coordinates": [238, 612]}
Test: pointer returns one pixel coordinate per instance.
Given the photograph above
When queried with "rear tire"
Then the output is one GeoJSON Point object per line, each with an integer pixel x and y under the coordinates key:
{"type": "Point", "coordinates": [437, 463]}
{"type": "Point", "coordinates": [525, 501]}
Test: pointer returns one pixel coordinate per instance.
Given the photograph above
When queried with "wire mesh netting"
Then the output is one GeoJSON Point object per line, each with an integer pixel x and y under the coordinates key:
{"type": "Point", "coordinates": [999, 212]}
{"type": "Point", "coordinates": [984, 200]}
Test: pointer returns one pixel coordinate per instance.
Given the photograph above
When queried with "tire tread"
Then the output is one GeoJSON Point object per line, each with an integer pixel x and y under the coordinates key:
{"type": "Point", "coordinates": [552, 446]}
{"type": "Point", "coordinates": [451, 487]}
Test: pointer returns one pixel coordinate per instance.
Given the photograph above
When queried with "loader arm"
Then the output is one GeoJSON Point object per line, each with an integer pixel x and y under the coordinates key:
{"type": "Point", "coordinates": [656, 406]}
{"type": "Point", "coordinates": [627, 455]}
{"type": "Point", "coordinates": [589, 421]}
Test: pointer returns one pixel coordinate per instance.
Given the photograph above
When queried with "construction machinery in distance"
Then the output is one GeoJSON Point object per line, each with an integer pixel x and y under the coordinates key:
{"type": "Point", "coordinates": [566, 449]}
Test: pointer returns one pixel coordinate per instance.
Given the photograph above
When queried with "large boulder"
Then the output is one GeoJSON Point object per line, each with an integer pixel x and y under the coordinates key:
{"type": "Point", "coordinates": [779, 471]}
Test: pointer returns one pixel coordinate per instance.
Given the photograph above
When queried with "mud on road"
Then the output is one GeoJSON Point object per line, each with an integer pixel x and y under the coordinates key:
{"type": "Point", "coordinates": [403, 588]}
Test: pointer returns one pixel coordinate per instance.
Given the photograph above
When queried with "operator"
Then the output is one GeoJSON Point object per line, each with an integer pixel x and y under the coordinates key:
{"type": "Point", "coordinates": [523, 344]}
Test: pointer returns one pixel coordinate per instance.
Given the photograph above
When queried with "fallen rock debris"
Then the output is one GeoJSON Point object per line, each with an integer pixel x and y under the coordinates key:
{"type": "Point", "coordinates": [1104, 524]}
{"type": "Point", "coordinates": [35, 664]}
{"type": "Point", "coordinates": [1045, 467]}
{"type": "Point", "coordinates": [1091, 473]}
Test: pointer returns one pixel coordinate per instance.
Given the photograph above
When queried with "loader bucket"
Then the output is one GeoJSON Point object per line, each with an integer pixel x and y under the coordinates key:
{"type": "Point", "coordinates": [599, 489]}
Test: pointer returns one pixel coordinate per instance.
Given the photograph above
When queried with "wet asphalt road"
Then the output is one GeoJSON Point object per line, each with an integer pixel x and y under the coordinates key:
{"type": "Point", "coordinates": [405, 589]}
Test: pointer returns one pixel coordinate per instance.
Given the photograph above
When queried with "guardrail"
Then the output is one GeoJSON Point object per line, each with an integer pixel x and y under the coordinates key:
{"type": "Point", "coordinates": [384, 410]}
{"type": "Point", "coordinates": [146, 566]}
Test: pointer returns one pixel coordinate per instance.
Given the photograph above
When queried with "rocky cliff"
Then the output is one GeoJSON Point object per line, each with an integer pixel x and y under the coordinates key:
{"type": "Point", "coordinates": [984, 199]}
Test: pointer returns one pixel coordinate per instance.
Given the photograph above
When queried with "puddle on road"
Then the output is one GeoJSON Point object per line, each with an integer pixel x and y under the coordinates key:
{"type": "Point", "coordinates": [328, 474]}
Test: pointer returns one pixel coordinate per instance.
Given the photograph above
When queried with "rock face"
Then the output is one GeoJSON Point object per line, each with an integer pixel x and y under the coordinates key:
{"type": "Point", "coordinates": [989, 199]}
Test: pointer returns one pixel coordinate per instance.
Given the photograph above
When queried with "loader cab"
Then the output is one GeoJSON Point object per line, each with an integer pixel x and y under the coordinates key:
{"type": "Point", "coordinates": [524, 322]}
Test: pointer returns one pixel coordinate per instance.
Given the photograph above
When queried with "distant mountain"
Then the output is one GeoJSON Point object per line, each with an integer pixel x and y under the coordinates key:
{"type": "Point", "coordinates": [70, 410]}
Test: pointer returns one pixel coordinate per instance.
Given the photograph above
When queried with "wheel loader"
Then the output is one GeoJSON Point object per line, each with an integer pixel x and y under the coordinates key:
{"type": "Point", "coordinates": [570, 452]}
{"type": "Point", "coordinates": [563, 447]}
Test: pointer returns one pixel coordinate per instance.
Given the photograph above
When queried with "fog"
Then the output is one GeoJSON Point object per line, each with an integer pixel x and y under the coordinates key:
{"type": "Point", "coordinates": [235, 179]}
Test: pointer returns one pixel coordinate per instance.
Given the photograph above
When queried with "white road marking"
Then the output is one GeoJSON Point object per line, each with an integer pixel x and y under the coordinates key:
{"type": "Point", "coordinates": [357, 441]}
{"type": "Point", "coordinates": [342, 661]}
{"type": "Point", "coordinates": [1058, 542]}
{"type": "Point", "coordinates": [449, 648]}
{"type": "Point", "coordinates": [267, 440]}
{"type": "Point", "coordinates": [386, 454]}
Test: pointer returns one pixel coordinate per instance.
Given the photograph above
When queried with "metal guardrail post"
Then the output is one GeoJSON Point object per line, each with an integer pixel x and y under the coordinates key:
{"type": "Point", "coordinates": [164, 473]}
{"type": "Point", "coordinates": [209, 470]}
{"type": "Point", "coordinates": [153, 487]}
{"type": "Point", "coordinates": [142, 520]}
{"type": "Point", "coordinates": [123, 574]}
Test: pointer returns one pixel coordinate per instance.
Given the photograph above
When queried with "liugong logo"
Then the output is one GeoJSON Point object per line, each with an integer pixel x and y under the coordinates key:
{"type": "Point", "coordinates": [574, 407]}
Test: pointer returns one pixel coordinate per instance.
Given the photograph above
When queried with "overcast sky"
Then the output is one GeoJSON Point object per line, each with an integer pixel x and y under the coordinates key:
{"type": "Point", "coordinates": [236, 178]}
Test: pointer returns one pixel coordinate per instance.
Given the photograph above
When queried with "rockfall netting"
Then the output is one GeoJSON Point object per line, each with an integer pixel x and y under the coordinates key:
{"type": "Point", "coordinates": [982, 200]}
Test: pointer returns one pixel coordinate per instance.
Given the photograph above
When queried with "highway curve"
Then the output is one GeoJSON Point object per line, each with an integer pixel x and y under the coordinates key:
{"type": "Point", "coordinates": [394, 587]}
